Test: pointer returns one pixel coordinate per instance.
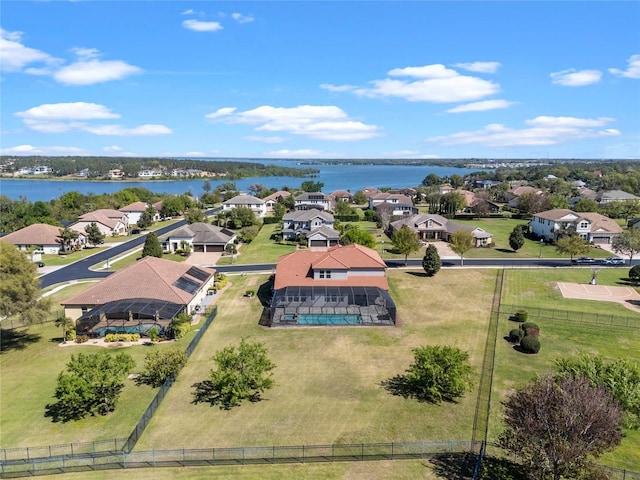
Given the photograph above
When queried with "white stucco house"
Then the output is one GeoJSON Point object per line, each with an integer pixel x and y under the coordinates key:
{"type": "Point", "coordinates": [593, 227]}
{"type": "Point", "coordinates": [257, 205]}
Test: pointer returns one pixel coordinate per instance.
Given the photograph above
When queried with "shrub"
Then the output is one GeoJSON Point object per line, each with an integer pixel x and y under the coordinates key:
{"type": "Point", "coordinates": [634, 273]}
{"type": "Point", "coordinates": [122, 337]}
{"type": "Point", "coordinates": [71, 335]}
{"type": "Point", "coordinates": [521, 315]}
{"type": "Point", "coordinates": [154, 333]}
{"type": "Point", "coordinates": [516, 335]}
{"type": "Point", "coordinates": [527, 325]}
{"type": "Point", "coordinates": [530, 344]}
{"type": "Point", "coordinates": [82, 339]}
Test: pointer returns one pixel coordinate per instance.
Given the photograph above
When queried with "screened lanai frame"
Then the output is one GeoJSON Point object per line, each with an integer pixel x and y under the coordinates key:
{"type": "Point", "coordinates": [136, 315]}
{"type": "Point", "coordinates": [372, 305]}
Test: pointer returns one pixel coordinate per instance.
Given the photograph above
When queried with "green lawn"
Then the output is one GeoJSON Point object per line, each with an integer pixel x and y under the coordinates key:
{"type": "Point", "coordinates": [30, 361]}
{"type": "Point", "coordinates": [563, 339]}
{"type": "Point", "coordinates": [261, 250]}
{"type": "Point", "coordinates": [131, 257]}
{"type": "Point", "coordinates": [52, 259]}
{"type": "Point", "coordinates": [537, 288]}
{"type": "Point", "coordinates": [328, 379]}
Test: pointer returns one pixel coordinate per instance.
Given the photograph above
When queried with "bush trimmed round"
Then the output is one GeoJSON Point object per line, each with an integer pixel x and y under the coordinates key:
{"type": "Point", "coordinates": [516, 335]}
{"type": "Point", "coordinates": [530, 344]}
{"type": "Point", "coordinates": [521, 315]}
{"type": "Point", "coordinates": [527, 325]}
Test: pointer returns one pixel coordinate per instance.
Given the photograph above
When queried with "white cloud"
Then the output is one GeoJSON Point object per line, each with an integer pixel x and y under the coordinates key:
{"type": "Point", "coordinates": [200, 26]}
{"type": "Point", "coordinates": [64, 117]}
{"type": "Point", "coordinates": [113, 148]}
{"type": "Point", "coordinates": [31, 150]}
{"type": "Point", "coordinates": [265, 139]}
{"type": "Point", "coordinates": [189, 11]}
{"type": "Point", "coordinates": [482, 106]}
{"type": "Point", "coordinates": [14, 56]}
{"type": "Point", "coordinates": [221, 112]}
{"type": "Point", "coordinates": [305, 152]}
{"type": "Point", "coordinates": [338, 88]}
{"type": "Point", "coordinates": [479, 67]}
{"type": "Point", "coordinates": [429, 83]}
{"type": "Point", "coordinates": [68, 111]}
{"type": "Point", "coordinates": [142, 130]}
{"type": "Point", "coordinates": [88, 70]}
{"type": "Point", "coordinates": [544, 130]}
{"type": "Point", "coordinates": [240, 18]}
{"type": "Point", "coordinates": [319, 122]}
{"type": "Point", "coordinates": [576, 78]}
{"type": "Point", "coordinates": [632, 71]}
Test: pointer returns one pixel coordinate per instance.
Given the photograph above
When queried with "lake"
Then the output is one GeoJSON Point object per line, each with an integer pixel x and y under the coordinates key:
{"type": "Point", "coordinates": [334, 177]}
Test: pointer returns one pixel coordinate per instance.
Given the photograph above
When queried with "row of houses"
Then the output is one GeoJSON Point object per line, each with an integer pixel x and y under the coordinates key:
{"type": "Point", "coordinates": [341, 285]}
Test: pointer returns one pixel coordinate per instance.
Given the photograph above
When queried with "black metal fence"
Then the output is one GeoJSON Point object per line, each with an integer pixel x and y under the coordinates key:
{"type": "Point", "coordinates": [483, 402]}
{"type": "Point", "coordinates": [601, 319]}
{"type": "Point", "coordinates": [78, 448]}
{"type": "Point", "coordinates": [164, 389]}
{"type": "Point", "coordinates": [233, 456]}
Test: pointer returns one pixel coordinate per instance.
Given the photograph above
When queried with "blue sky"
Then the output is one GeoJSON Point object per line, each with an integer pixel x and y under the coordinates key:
{"type": "Point", "coordinates": [330, 79]}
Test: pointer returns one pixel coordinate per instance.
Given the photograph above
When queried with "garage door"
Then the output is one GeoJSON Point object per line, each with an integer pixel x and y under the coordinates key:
{"type": "Point", "coordinates": [215, 248]}
{"type": "Point", "coordinates": [198, 248]}
{"type": "Point", "coordinates": [318, 243]}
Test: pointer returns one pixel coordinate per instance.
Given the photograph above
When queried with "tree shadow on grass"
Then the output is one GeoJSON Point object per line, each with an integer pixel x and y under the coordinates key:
{"type": "Point", "coordinates": [16, 340]}
{"type": "Point", "coordinates": [460, 466]}
{"type": "Point", "coordinates": [400, 386]}
{"type": "Point", "coordinates": [454, 466]}
{"type": "Point", "coordinates": [206, 392]}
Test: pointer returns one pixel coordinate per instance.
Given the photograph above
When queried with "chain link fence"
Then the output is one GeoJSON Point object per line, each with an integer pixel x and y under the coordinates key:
{"type": "Point", "coordinates": [588, 318]}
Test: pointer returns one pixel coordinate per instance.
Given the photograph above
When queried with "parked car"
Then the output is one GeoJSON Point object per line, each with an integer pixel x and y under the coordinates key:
{"type": "Point", "coordinates": [584, 260]}
{"type": "Point", "coordinates": [613, 261]}
{"type": "Point", "coordinates": [40, 264]}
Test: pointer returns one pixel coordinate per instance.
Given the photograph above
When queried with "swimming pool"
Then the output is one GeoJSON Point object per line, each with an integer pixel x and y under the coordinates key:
{"type": "Point", "coordinates": [306, 319]}
{"type": "Point", "coordinates": [141, 329]}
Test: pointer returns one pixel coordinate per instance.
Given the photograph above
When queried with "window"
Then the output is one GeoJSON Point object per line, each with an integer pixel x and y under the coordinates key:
{"type": "Point", "coordinates": [584, 225]}
{"type": "Point", "coordinates": [325, 273]}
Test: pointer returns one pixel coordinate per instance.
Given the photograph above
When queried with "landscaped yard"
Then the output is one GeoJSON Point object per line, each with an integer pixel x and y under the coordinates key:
{"type": "Point", "coordinates": [261, 250]}
{"type": "Point", "coordinates": [328, 379]}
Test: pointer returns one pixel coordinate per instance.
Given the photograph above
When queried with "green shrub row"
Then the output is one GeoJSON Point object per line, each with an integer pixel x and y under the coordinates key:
{"type": "Point", "coordinates": [122, 337]}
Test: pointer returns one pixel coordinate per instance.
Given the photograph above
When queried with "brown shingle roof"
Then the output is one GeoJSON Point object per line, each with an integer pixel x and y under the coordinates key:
{"type": "Point", "coordinates": [296, 269]}
{"type": "Point", "coordinates": [135, 207]}
{"type": "Point", "coordinates": [36, 234]}
{"type": "Point", "coordinates": [105, 216]}
{"type": "Point", "coordinates": [150, 277]}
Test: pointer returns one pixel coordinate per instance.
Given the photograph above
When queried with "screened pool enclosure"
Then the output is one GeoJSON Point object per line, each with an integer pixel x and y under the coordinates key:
{"type": "Point", "coordinates": [128, 316]}
{"type": "Point", "coordinates": [332, 306]}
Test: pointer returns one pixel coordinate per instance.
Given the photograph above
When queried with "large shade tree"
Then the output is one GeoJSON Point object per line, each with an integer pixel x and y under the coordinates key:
{"type": "Point", "coordinates": [627, 243]}
{"type": "Point", "coordinates": [558, 426]}
{"type": "Point", "coordinates": [572, 245]}
{"type": "Point", "coordinates": [405, 241]}
{"type": "Point", "coordinates": [461, 242]}
{"type": "Point", "coordinates": [20, 293]}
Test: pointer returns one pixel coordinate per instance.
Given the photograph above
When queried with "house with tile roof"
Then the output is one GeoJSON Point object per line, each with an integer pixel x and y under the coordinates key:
{"type": "Point", "coordinates": [135, 210]}
{"type": "Point", "coordinates": [272, 199]}
{"type": "Point", "coordinates": [432, 226]}
{"type": "Point", "coordinates": [301, 223]}
{"type": "Point", "coordinates": [110, 222]}
{"type": "Point", "coordinates": [593, 227]}
{"type": "Point", "coordinates": [198, 237]}
{"type": "Point", "coordinates": [514, 194]}
{"type": "Point", "coordinates": [150, 292]}
{"type": "Point", "coordinates": [344, 285]}
{"type": "Point", "coordinates": [255, 204]}
{"type": "Point", "coordinates": [341, 196]}
{"type": "Point", "coordinates": [40, 236]}
{"type": "Point", "coordinates": [614, 196]}
{"type": "Point", "coordinates": [315, 200]}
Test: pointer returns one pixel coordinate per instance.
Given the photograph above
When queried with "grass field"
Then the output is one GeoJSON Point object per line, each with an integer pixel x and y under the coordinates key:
{"type": "Point", "coordinates": [328, 379]}
{"type": "Point", "coordinates": [537, 288]}
{"type": "Point", "coordinates": [261, 250]}
{"type": "Point", "coordinates": [379, 470]}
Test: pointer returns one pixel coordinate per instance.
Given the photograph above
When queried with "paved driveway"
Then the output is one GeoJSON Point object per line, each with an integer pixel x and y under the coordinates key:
{"type": "Point", "coordinates": [203, 259]}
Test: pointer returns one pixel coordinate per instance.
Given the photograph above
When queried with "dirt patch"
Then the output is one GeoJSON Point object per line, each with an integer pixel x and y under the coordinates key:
{"type": "Point", "coordinates": [626, 296]}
